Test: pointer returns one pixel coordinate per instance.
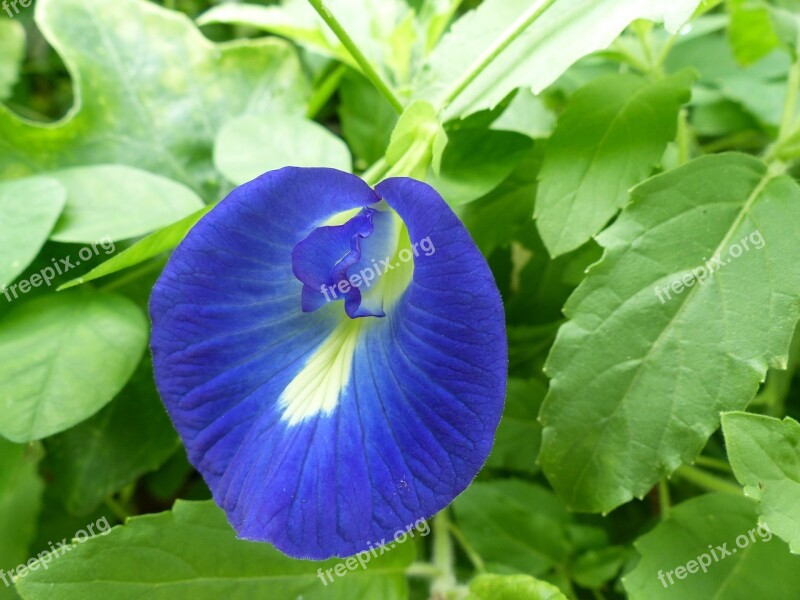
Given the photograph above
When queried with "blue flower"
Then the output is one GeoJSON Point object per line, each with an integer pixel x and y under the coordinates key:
{"type": "Point", "coordinates": [333, 357]}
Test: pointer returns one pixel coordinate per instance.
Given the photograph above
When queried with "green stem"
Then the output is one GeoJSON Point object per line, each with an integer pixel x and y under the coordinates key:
{"type": "Point", "coordinates": [707, 481]}
{"type": "Point", "coordinates": [484, 60]}
{"type": "Point", "coordinates": [376, 172]}
{"type": "Point", "coordinates": [423, 569]}
{"type": "Point", "coordinates": [471, 553]}
{"type": "Point", "coordinates": [710, 462]}
{"type": "Point", "coordinates": [369, 71]}
{"type": "Point", "coordinates": [325, 90]}
{"type": "Point", "coordinates": [119, 511]}
{"type": "Point", "coordinates": [443, 558]}
{"type": "Point", "coordinates": [790, 106]}
{"type": "Point", "coordinates": [684, 137]}
{"type": "Point", "coordinates": [663, 498]}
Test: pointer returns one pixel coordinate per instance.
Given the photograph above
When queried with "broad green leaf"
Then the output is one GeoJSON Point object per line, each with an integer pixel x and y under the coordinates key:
{"type": "Point", "coordinates": [192, 552]}
{"type": "Point", "coordinates": [527, 114]}
{"type": "Point", "coordinates": [20, 501]}
{"type": "Point", "coordinates": [367, 119]}
{"type": "Point", "coordinates": [12, 51]}
{"type": "Point", "coordinates": [519, 435]}
{"type": "Point", "coordinates": [151, 91]}
{"type": "Point", "coordinates": [658, 343]}
{"type": "Point", "coordinates": [250, 146]}
{"type": "Point", "coordinates": [512, 587]}
{"type": "Point", "coordinates": [156, 243]}
{"type": "Point", "coordinates": [712, 547]}
{"type": "Point", "coordinates": [476, 161]}
{"type": "Point", "coordinates": [370, 24]}
{"type": "Point", "coordinates": [29, 208]}
{"type": "Point", "coordinates": [62, 358]}
{"type": "Point", "coordinates": [751, 31]}
{"type": "Point", "coordinates": [765, 456]}
{"type": "Point", "coordinates": [514, 526]}
{"type": "Point", "coordinates": [564, 33]}
{"type": "Point", "coordinates": [89, 462]}
{"type": "Point", "coordinates": [609, 138]}
{"type": "Point", "coordinates": [117, 202]}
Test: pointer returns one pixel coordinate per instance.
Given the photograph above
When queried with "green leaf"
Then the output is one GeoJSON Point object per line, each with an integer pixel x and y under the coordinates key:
{"type": "Point", "coordinates": [29, 208]}
{"type": "Point", "coordinates": [514, 526]}
{"type": "Point", "coordinates": [650, 357]}
{"type": "Point", "coordinates": [367, 119]}
{"type": "Point", "coordinates": [64, 357]}
{"type": "Point", "coordinates": [413, 146]}
{"type": "Point", "coordinates": [476, 161]}
{"type": "Point", "coordinates": [612, 134]}
{"type": "Point", "coordinates": [192, 552]}
{"type": "Point", "coordinates": [156, 243]}
{"type": "Point", "coordinates": [12, 51]}
{"type": "Point", "coordinates": [250, 146]}
{"type": "Point", "coordinates": [519, 435]}
{"type": "Point", "coordinates": [151, 91]}
{"type": "Point", "coordinates": [750, 31]}
{"type": "Point", "coordinates": [97, 210]}
{"type": "Point", "coordinates": [527, 114]}
{"type": "Point", "coordinates": [758, 566]}
{"type": "Point", "coordinates": [98, 457]}
{"type": "Point", "coordinates": [765, 456]}
{"type": "Point", "coordinates": [20, 502]}
{"type": "Point", "coordinates": [545, 50]}
{"type": "Point", "coordinates": [512, 587]}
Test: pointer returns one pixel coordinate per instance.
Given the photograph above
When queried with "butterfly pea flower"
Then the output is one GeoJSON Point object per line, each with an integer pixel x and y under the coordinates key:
{"type": "Point", "coordinates": [333, 357]}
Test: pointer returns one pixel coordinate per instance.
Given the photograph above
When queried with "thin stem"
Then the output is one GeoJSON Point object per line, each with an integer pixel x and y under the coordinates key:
{"type": "Point", "coordinates": [376, 172]}
{"type": "Point", "coordinates": [443, 558]}
{"type": "Point", "coordinates": [484, 60]}
{"type": "Point", "coordinates": [325, 90]}
{"type": "Point", "coordinates": [707, 481]}
{"type": "Point", "coordinates": [471, 553]}
{"type": "Point", "coordinates": [423, 569]}
{"type": "Point", "coordinates": [369, 71]}
{"type": "Point", "coordinates": [684, 137]}
{"type": "Point", "coordinates": [119, 511]}
{"type": "Point", "coordinates": [710, 462]}
{"type": "Point", "coordinates": [663, 498]}
{"type": "Point", "coordinates": [790, 106]}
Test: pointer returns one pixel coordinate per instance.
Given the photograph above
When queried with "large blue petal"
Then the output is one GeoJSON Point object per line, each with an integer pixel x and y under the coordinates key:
{"type": "Point", "coordinates": [328, 463]}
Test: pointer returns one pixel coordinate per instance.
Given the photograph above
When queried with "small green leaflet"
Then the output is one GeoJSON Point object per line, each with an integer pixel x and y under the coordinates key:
{"type": "Point", "coordinates": [611, 135]}
{"type": "Point", "coordinates": [151, 91]}
{"type": "Point", "coordinates": [512, 587]}
{"type": "Point", "coordinates": [12, 51]}
{"type": "Point", "coordinates": [29, 209]}
{"type": "Point", "coordinates": [63, 357]}
{"type": "Point", "coordinates": [750, 562]}
{"type": "Point", "coordinates": [650, 357]}
{"type": "Point", "coordinates": [250, 146]}
{"type": "Point", "coordinates": [765, 456]}
{"type": "Point", "coordinates": [192, 552]}
{"type": "Point", "coordinates": [566, 32]}
{"type": "Point", "coordinates": [117, 202]}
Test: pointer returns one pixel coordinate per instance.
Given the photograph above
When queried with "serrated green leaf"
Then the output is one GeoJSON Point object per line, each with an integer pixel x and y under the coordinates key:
{"type": "Point", "coordinates": [250, 146]}
{"type": "Point", "coordinates": [151, 246]}
{"type": "Point", "coordinates": [648, 359]}
{"type": "Point", "coordinates": [151, 91]}
{"type": "Point", "coordinates": [20, 501]}
{"type": "Point", "coordinates": [609, 138]}
{"type": "Point", "coordinates": [12, 51]}
{"type": "Point", "coordinates": [765, 456]}
{"type": "Point", "coordinates": [192, 552]}
{"type": "Point", "coordinates": [512, 587]}
{"type": "Point", "coordinates": [541, 54]}
{"type": "Point", "coordinates": [758, 566]}
{"type": "Point", "coordinates": [519, 434]}
{"type": "Point", "coordinates": [64, 357]}
{"type": "Point", "coordinates": [514, 526]}
{"type": "Point", "coordinates": [98, 209]}
{"type": "Point", "coordinates": [91, 461]}
{"type": "Point", "coordinates": [29, 208]}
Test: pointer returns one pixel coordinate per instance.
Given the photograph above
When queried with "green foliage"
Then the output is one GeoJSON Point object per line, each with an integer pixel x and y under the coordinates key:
{"type": "Point", "coordinates": [512, 587]}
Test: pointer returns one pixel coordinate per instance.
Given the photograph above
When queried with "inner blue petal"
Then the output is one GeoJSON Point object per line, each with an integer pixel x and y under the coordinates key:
{"type": "Point", "coordinates": [342, 262]}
